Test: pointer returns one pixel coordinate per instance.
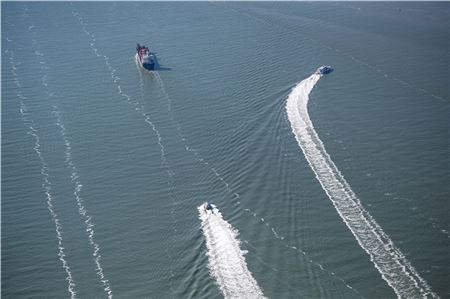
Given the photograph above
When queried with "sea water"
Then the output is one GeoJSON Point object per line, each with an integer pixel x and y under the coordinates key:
{"type": "Point", "coordinates": [324, 187]}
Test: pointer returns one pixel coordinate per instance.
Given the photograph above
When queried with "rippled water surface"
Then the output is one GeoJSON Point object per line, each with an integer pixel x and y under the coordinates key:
{"type": "Point", "coordinates": [335, 189]}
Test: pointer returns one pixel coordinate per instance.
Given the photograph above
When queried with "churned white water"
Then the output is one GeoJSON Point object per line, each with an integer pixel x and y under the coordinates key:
{"type": "Point", "coordinates": [226, 259]}
{"type": "Point", "coordinates": [393, 266]}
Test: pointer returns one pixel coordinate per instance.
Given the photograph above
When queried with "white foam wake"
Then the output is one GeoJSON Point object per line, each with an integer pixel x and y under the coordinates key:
{"type": "Point", "coordinates": [88, 221]}
{"type": "Point", "coordinates": [138, 107]}
{"type": "Point", "coordinates": [116, 79]}
{"type": "Point", "coordinates": [74, 176]}
{"type": "Point", "coordinates": [393, 266]}
{"type": "Point", "coordinates": [228, 188]}
{"type": "Point", "coordinates": [226, 260]}
{"type": "Point", "coordinates": [46, 185]}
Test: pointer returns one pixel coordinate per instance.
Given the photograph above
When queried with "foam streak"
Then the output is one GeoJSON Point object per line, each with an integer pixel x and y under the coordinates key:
{"type": "Point", "coordinates": [393, 266]}
{"type": "Point", "coordinates": [82, 211]}
{"type": "Point", "coordinates": [226, 260]}
{"type": "Point", "coordinates": [116, 79]}
{"type": "Point", "coordinates": [46, 185]}
{"type": "Point", "coordinates": [74, 175]}
{"type": "Point", "coordinates": [138, 108]}
{"type": "Point", "coordinates": [219, 177]}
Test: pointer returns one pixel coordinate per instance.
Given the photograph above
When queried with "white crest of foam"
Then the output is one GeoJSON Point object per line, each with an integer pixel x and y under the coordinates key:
{"type": "Point", "coordinates": [134, 103]}
{"type": "Point", "coordinates": [226, 260]}
{"type": "Point", "coordinates": [82, 211]}
{"type": "Point", "coordinates": [46, 185]}
{"type": "Point", "coordinates": [74, 176]}
{"type": "Point", "coordinates": [116, 79]}
{"type": "Point", "coordinates": [393, 266]}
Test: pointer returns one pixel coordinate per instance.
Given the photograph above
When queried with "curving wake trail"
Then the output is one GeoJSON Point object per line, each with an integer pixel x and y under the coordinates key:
{"type": "Point", "coordinates": [226, 260]}
{"type": "Point", "coordinates": [393, 266]}
{"type": "Point", "coordinates": [202, 161]}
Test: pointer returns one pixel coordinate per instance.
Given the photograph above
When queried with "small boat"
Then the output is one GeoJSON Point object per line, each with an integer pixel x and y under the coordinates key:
{"type": "Point", "coordinates": [145, 58]}
{"type": "Point", "coordinates": [323, 70]}
{"type": "Point", "coordinates": [207, 206]}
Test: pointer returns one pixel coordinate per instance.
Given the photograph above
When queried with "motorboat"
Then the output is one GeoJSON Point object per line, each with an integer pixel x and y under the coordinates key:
{"type": "Point", "coordinates": [207, 206]}
{"type": "Point", "coordinates": [145, 58]}
{"type": "Point", "coordinates": [323, 70]}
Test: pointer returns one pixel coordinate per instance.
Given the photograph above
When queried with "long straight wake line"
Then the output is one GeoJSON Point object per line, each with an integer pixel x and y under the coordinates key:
{"type": "Point", "coordinates": [138, 108]}
{"type": "Point", "coordinates": [184, 139]}
{"type": "Point", "coordinates": [393, 266]}
{"type": "Point", "coordinates": [170, 183]}
{"type": "Point", "coordinates": [46, 185]}
{"type": "Point", "coordinates": [147, 119]}
{"type": "Point", "coordinates": [180, 132]}
{"type": "Point", "coordinates": [226, 260]}
{"type": "Point", "coordinates": [116, 80]}
{"type": "Point", "coordinates": [80, 203]}
{"type": "Point", "coordinates": [74, 176]}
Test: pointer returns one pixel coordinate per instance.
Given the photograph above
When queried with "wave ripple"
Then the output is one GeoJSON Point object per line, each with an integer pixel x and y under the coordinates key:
{"type": "Point", "coordinates": [393, 266]}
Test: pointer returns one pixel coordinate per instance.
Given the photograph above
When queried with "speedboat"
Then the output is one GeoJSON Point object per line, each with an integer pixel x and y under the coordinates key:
{"type": "Point", "coordinates": [324, 69]}
{"type": "Point", "coordinates": [145, 58]}
{"type": "Point", "coordinates": [207, 206]}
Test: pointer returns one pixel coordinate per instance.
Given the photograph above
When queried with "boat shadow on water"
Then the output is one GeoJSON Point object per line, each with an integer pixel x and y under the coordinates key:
{"type": "Point", "coordinates": [158, 67]}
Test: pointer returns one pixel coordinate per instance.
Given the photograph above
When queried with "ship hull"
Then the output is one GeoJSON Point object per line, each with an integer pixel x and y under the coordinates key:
{"type": "Point", "coordinates": [145, 66]}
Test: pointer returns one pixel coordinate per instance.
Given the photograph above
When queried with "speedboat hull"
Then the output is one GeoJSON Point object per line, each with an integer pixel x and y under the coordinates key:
{"type": "Point", "coordinates": [323, 70]}
{"type": "Point", "coordinates": [207, 207]}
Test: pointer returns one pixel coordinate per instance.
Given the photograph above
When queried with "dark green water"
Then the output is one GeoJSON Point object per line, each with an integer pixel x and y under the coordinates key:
{"type": "Point", "coordinates": [104, 166]}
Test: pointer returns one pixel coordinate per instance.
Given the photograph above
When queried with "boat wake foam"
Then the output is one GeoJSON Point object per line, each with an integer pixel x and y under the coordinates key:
{"type": "Point", "coordinates": [226, 260]}
{"type": "Point", "coordinates": [82, 211]}
{"type": "Point", "coordinates": [71, 166]}
{"type": "Point", "coordinates": [46, 185]}
{"type": "Point", "coordinates": [393, 266]}
{"type": "Point", "coordinates": [235, 196]}
{"type": "Point", "coordinates": [139, 108]}
{"type": "Point", "coordinates": [116, 79]}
